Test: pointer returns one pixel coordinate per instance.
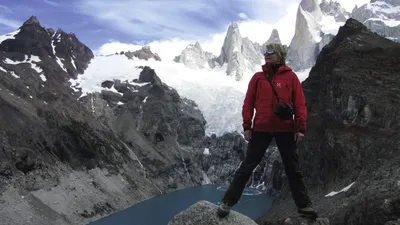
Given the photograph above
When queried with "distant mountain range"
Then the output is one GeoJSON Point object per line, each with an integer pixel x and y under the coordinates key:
{"type": "Point", "coordinates": [316, 25]}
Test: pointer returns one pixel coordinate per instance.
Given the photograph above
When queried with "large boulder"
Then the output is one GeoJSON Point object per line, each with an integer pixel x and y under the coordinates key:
{"type": "Point", "coordinates": [204, 213]}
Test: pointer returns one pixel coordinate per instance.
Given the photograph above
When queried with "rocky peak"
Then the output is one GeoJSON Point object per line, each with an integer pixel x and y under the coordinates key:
{"type": "Point", "coordinates": [32, 20]}
{"type": "Point", "coordinates": [143, 53]}
{"type": "Point", "coordinates": [193, 56]}
{"type": "Point", "coordinates": [64, 50]}
{"type": "Point", "coordinates": [334, 9]}
{"type": "Point", "coordinates": [304, 46]}
{"type": "Point", "coordinates": [274, 38]}
{"type": "Point", "coordinates": [312, 7]}
{"type": "Point", "coordinates": [240, 54]}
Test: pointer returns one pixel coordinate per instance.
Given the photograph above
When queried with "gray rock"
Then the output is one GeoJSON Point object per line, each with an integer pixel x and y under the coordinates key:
{"type": "Point", "coordinates": [144, 53]}
{"type": "Point", "coordinates": [204, 213]}
{"type": "Point", "coordinates": [334, 9]}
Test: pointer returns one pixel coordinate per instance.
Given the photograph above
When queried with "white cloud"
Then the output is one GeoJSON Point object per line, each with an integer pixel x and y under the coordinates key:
{"type": "Point", "coordinates": [4, 9]}
{"type": "Point", "coordinates": [51, 3]}
{"type": "Point", "coordinates": [149, 19]}
{"type": "Point", "coordinates": [243, 15]}
{"type": "Point", "coordinates": [15, 24]}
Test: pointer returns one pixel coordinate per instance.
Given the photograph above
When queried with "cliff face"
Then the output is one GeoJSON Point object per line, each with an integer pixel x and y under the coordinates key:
{"type": "Point", "coordinates": [352, 140]}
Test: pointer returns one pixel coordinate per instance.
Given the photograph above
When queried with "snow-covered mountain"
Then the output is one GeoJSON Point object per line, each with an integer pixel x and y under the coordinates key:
{"type": "Point", "coordinates": [382, 17]}
{"type": "Point", "coordinates": [239, 56]}
{"type": "Point", "coordinates": [193, 56]}
{"type": "Point", "coordinates": [316, 24]}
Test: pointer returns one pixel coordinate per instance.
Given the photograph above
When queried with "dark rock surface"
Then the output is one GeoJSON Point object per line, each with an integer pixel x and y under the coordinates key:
{"type": "Point", "coordinates": [353, 100]}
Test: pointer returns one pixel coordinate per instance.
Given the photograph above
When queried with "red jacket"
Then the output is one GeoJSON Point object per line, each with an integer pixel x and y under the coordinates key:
{"type": "Point", "coordinates": [260, 96]}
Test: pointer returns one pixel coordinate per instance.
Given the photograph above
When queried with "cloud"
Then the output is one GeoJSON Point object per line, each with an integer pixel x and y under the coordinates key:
{"type": "Point", "coordinates": [160, 19]}
{"type": "Point", "coordinates": [243, 15]}
{"type": "Point", "coordinates": [4, 9]}
{"type": "Point", "coordinates": [51, 3]}
{"type": "Point", "coordinates": [5, 18]}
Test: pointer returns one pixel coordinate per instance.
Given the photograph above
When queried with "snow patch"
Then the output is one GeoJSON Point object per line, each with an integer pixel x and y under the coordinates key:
{"type": "Point", "coordinates": [43, 77]}
{"type": "Point", "coordinates": [9, 36]}
{"type": "Point", "coordinates": [390, 23]}
{"type": "Point", "coordinates": [206, 151]}
{"type": "Point", "coordinates": [14, 74]}
{"type": "Point", "coordinates": [333, 193]}
{"type": "Point", "coordinates": [329, 25]}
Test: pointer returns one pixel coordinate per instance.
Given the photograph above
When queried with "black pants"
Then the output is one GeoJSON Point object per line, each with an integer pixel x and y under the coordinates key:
{"type": "Point", "coordinates": [255, 152]}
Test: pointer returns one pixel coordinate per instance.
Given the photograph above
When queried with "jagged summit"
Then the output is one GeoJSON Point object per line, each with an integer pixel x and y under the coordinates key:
{"type": "Point", "coordinates": [334, 9]}
{"type": "Point", "coordinates": [193, 56]}
{"type": "Point", "coordinates": [274, 38]}
{"type": "Point", "coordinates": [311, 6]}
{"type": "Point", "coordinates": [32, 20]}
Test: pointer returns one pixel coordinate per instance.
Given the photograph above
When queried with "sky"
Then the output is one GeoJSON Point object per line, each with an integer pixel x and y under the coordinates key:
{"type": "Point", "coordinates": [166, 25]}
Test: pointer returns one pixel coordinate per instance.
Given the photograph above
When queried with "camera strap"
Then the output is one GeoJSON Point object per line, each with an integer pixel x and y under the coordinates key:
{"type": "Point", "coordinates": [272, 86]}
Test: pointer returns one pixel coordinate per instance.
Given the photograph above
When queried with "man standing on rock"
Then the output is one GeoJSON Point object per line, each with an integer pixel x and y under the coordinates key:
{"type": "Point", "coordinates": [277, 95]}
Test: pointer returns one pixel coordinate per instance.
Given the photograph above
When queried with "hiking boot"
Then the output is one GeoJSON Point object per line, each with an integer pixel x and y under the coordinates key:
{"type": "Point", "coordinates": [308, 211]}
{"type": "Point", "coordinates": [223, 210]}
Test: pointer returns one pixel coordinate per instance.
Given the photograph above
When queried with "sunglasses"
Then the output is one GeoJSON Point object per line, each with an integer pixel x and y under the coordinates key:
{"type": "Point", "coordinates": [269, 52]}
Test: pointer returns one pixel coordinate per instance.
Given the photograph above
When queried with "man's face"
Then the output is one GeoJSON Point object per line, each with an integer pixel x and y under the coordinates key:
{"type": "Point", "coordinates": [271, 57]}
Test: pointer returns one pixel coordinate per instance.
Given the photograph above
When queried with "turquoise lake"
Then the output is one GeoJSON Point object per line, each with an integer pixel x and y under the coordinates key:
{"type": "Point", "coordinates": [161, 209]}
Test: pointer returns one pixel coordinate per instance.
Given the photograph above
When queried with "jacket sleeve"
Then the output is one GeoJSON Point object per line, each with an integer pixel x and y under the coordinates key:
{"type": "Point", "coordinates": [300, 106]}
{"type": "Point", "coordinates": [248, 105]}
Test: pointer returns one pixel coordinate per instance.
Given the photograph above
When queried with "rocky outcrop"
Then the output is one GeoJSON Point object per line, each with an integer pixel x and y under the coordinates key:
{"type": "Point", "coordinates": [144, 53]}
{"type": "Point", "coordinates": [204, 213]}
{"type": "Point", "coordinates": [352, 142]}
{"type": "Point", "coordinates": [193, 56]}
{"type": "Point", "coordinates": [68, 159]}
{"type": "Point", "coordinates": [381, 17]}
{"type": "Point", "coordinates": [334, 9]}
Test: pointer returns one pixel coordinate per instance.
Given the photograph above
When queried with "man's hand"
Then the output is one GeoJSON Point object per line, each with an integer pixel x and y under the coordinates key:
{"type": "Point", "coordinates": [298, 137]}
{"type": "Point", "coordinates": [247, 135]}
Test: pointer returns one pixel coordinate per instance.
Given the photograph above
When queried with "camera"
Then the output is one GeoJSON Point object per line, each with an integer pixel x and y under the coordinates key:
{"type": "Point", "coordinates": [284, 111]}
